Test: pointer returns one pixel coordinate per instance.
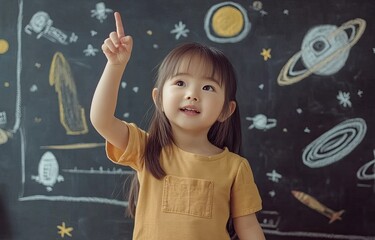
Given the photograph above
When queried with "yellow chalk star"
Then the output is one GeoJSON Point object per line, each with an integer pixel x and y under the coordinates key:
{"type": "Point", "coordinates": [266, 53]}
{"type": "Point", "coordinates": [64, 230]}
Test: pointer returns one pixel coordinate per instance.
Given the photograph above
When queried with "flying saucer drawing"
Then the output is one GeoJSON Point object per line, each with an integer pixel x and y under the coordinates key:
{"type": "Point", "coordinates": [335, 144]}
{"type": "Point", "coordinates": [324, 51]}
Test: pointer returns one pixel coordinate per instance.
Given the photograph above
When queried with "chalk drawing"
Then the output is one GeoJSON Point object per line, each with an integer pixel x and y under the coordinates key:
{"type": "Point", "coordinates": [226, 22]}
{"type": "Point", "coordinates": [180, 30]}
{"type": "Point", "coordinates": [335, 144]}
{"type": "Point", "coordinates": [64, 230]}
{"type": "Point", "coordinates": [41, 24]}
{"type": "Point", "coordinates": [314, 204]}
{"type": "Point", "coordinates": [261, 122]}
{"type": "Point", "coordinates": [367, 171]}
{"type": "Point", "coordinates": [344, 99]}
{"type": "Point", "coordinates": [48, 171]}
{"type": "Point", "coordinates": [324, 51]}
{"type": "Point", "coordinates": [100, 12]}
{"type": "Point", "coordinates": [72, 115]}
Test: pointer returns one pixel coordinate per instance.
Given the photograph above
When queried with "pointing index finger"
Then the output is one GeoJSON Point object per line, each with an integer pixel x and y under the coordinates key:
{"type": "Point", "coordinates": [119, 26]}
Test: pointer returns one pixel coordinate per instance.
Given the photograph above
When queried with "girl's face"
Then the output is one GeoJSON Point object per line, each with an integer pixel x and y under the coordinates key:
{"type": "Point", "coordinates": [192, 99]}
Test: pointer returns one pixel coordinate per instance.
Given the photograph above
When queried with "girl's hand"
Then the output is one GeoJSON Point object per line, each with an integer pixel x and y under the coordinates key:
{"type": "Point", "coordinates": [118, 47]}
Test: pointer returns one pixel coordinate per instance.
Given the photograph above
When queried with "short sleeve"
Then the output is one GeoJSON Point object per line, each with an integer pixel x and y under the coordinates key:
{"type": "Point", "coordinates": [245, 198]}
{"type": "Point", "coordinates": [132, 156]}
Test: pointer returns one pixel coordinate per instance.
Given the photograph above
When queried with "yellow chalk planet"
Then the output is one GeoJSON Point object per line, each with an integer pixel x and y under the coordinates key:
{"type": "Point", "coordinates": [3, 136]}
{"type": "Point", "coordinates": [227, 21]}
{"type": "Point", "coordinates": [4, 46]}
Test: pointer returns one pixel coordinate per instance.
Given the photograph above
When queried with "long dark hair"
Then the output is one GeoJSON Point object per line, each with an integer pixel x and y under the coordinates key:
{"type": "Point", "coordinates": [222, 134]}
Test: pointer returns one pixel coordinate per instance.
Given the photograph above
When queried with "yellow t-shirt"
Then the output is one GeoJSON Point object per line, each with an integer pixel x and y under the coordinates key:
{"type": "Point", "coordinates": [196, 197]}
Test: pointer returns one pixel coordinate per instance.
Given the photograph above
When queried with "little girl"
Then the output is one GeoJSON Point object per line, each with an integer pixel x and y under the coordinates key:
{"type": "Point", "coordinates": [190, 181]}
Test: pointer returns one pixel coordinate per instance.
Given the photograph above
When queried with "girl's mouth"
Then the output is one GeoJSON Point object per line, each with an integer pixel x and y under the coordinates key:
{"type": "Point", "coordinates": [188, 109]}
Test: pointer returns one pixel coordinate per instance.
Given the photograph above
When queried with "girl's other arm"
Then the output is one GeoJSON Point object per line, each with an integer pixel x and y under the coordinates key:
{"type": "Point", "coordinates": [117, 48]}
{"type": "Point", "coordinates": [248, 228]}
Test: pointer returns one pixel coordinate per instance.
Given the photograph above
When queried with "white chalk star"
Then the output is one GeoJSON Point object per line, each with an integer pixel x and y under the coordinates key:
{"type": "Point", "coordinates": [274, 176]}
{"type": "Point", "coordinates": [180, 30]}
{"type": "Point", "coordinates": [344, 98]}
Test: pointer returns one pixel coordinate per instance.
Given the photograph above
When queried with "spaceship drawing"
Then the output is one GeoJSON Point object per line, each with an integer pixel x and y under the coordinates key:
{"type": "Point", "coordinates": [314, 204]}
{"type": "Point", "coordinates": [324, 51]}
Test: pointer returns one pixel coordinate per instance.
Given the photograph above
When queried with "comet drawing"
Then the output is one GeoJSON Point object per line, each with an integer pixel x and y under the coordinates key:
{"type": "Point", "coordinates": [312, 203]}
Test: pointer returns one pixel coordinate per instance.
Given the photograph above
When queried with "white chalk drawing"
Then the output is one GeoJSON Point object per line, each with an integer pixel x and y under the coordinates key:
{"type": "Point", "coordinates": [324, 51]}
{"type": "Point", "coordinates": [360, 93]}
{"type": "Point", "coordinates": [90, 51]}
{"type": "Point", "coordinates": [261, 122]}
{"type": "Point", "coordinates": [180, 30]}
{"type": "Point", "coordinates": [257, 5]}
{"type": "Point", "coordinates": [123, 85]}
{"type": "Point", "coordinates": [316, 235]}
{"type": "Point", "coordinates": [3, 118]}
{"type": "Point", "coordinates": [344, 99]}
{"type": "Point", "coordinates": [364, 172]}
{"type": "Point", "coordinates": [26, 194]}
{"type": "Point", "coordinates": [227, 22]}
{"type": "Point", "coordinates": [100, 12]}
{"type": "Point", "coordinates": [73, 38]}
{"type": "Point", "coordinates": [263, 13]}
{"type": "Point", "coordinates": [33, 88]}
{"type": "Point", "coordinates": [48, 171]}
{"type": "Point", "coordinates": [272, 193]}
{"type": "Point", "coordinates": [335, 144]}
{"type": "Point", "coordinates": [269, 219]}
{"type": "Point", "coordinates": [274, 176]}
{"type": "Point", "coordinates": [41, 24]}
{"type": "Point", "coordinates": [135, 89]}
{"type": "Point", "coordinates": [99, 171]}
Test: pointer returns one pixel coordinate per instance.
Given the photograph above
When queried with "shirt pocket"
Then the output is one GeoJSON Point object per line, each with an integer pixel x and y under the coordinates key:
{"type": "Point", "coordinates": [189, 196]}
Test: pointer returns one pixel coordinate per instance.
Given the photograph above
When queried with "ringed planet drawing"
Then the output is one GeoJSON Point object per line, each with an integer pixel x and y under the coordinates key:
{"type": "Point", "coordinates": [324, 51]}
{"type": "Point", "coordinates": [335, 144]}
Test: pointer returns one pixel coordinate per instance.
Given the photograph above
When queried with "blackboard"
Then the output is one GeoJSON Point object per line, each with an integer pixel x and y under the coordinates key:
{"type": "Point", "coordinates": [306, 94]}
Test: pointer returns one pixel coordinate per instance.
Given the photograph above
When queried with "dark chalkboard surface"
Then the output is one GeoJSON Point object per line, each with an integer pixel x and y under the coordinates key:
{"type": "Point", "coordinates": [307, 81]}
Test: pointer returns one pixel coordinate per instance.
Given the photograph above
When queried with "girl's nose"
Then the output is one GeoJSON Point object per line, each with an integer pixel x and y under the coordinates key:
{"type": "Point", "coordinates": [192, 98]}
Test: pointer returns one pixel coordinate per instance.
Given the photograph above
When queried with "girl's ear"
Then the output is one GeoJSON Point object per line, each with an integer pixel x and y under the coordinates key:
{"type": "Point", "coordinates": [228, 112]}
{"type": "Point", "coordinates": [155, 93]}
{"type": "Point", "coordinates": [155, 97]}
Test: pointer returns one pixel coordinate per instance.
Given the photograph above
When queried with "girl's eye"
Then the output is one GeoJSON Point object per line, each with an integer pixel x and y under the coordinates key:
{"type": "Point", "coordinates": [208, 88]}
{"type": "Point", "coordinates": [180, 83]}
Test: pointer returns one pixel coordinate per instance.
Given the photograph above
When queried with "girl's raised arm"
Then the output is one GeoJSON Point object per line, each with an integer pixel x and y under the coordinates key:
{"type": "Point", "coordinates": [117, 48]}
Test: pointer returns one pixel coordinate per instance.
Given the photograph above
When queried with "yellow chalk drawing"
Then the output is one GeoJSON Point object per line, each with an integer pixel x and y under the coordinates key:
{"type": "Point", "coordinates": [74, 146]}
{"type": "Point", "coordinates": [312, 203]}
{"type": "Point", "coordinates": [266, 53]}
{"type": "Point", "coordinates": [64, 230]}
{"type": "Point", "coordinates": [72, 115]}
{"type": "Point", "coordinates": [4, 46]}
{"type": "Point", "coordinates": [227, 21]}
{"type": "Point", "coordinates": [4, 136]}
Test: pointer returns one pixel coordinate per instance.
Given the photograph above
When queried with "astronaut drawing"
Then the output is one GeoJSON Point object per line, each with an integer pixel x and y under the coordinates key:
{"type": "Point", "coordinates": [41, 25]}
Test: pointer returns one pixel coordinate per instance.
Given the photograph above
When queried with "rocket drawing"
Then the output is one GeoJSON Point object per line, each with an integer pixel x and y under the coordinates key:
{"type": "Point", "coordinates": [312, 203]}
